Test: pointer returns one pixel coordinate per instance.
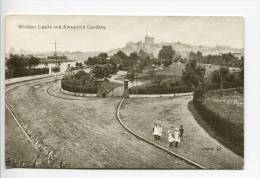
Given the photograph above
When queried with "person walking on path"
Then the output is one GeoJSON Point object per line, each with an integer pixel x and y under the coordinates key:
{"type": "Point", "coordinates": [177, 138]}
{"type": "Point", "coordinates": [159, 131]}
{"type": "Point", "coordinates": [170, 137]}
{"type": "Point", "coordinates": [181, 132]}
{"type": "Point", "coordinates": [155, 131]}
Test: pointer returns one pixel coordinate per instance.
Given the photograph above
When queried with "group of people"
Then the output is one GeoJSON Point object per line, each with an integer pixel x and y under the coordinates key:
{"type": "Point", "coordinates": [175, 135]}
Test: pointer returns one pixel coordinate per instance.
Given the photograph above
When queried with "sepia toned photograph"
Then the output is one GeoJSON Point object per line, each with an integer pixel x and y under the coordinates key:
{"type": "Point", "coordinates": [124, 92]}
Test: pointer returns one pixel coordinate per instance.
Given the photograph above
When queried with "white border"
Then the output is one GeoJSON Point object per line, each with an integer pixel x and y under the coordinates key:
{"type": "Point", "coordinates": [249, 9]}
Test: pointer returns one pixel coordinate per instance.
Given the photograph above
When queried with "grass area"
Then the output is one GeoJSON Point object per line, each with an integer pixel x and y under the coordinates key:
{"type": "Point", "coordinates": [224, 115]}
{"type": "Point", "coordinates": [229, 106]}
{"type": "Point", "coordinates": [139, 114]}
{"type": "Point", "coordinates": [19, 152]}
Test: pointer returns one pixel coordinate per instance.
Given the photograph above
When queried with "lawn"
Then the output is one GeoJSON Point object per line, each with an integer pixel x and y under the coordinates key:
{"type": "Point", "coordinates": [139, 114]}
{"type": "Point", "coordinates": [229, 106]}
{"type": "Point", "coordinates": [222, 115]}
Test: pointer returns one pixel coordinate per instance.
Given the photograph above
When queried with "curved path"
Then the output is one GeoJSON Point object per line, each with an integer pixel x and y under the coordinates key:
{"type": "Point", "coordinates": [69, 134]}
{"type": "Point", "coordinates": [152, 142]}
{"type": "Point", "coordinates": [79, 133]}
{"type": "Point", "coordinates": [139, 114]}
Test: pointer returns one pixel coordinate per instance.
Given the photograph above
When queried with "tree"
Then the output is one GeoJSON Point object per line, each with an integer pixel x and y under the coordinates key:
{"type": "Point", "coordinates": [16, 65]}
{"type": "Point", "coordinates": [193, 75]}
{"type": "Point", "coordinates": [196, 56]}
{"type": "Point", "coordinates": [33, 61]}
{"type": "Point", "coordinates": [98, 72]}
{"type": "Point", "coordinates": [122, 56]}
{"type": "Point", "coordinates": [166, 55]}
{"type": "Point", "coordinates": [100, 59]}
{"type": "Point", "coordinates": [241, 66]}
{"type": "Point", "coordinates": [102, 71]}
{"type": "Point", "coordinates": [131, 75]}
{"type": "Point", "coordinates": [145, 60]}
{"type": "Point", "coordinates": [133, 59]}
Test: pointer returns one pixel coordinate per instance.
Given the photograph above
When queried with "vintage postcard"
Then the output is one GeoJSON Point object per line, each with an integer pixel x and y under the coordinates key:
{"type": "Point", "coordinates": [124, 92]}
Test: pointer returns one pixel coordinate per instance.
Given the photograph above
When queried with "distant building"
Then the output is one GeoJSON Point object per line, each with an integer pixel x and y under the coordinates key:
{"type": "Point", "coordinates": [148, 41]}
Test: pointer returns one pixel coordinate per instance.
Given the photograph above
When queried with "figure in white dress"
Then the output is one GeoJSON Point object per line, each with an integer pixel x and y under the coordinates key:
{"type": "Point", "coordinates": [170, 137]}
{"type": "Point", "coordinates": [155, 131]}
{"type": "Point", "coordinates": [159, 131]}
{"type": "Point", "coordinates": [177, 137]}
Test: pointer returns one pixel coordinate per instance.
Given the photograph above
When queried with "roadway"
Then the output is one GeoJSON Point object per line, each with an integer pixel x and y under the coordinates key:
{"type": "Point", "coordinates": [76, 132]}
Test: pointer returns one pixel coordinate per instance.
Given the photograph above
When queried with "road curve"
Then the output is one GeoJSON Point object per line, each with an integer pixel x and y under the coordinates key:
{"type": "Point", "coordinates": [67, 127]}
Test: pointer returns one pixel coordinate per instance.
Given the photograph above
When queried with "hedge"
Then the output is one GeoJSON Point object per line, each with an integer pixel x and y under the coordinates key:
{"type": "Point", "coordinates": [230, 131]}
{"type": "Point", "coordinates": [158, 90]}
{"type": "Point", "coordinates": [226, 85]}
{"type": "Point", "coordinates": [26, 72]}
{"type": "Point", "coordinates": [75, 86]}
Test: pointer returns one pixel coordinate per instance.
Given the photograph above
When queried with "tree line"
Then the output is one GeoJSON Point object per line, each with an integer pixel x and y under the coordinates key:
{"type": "Point", "coordinates": [225, 59]}
{"type": "Point", "coordinates": [20, 65]}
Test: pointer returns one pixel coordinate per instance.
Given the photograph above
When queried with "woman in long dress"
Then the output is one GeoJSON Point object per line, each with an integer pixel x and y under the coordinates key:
{"type": "Point", "coordinates": [177, 137]}
{"type": "Point", "coordinates": [170, 137]}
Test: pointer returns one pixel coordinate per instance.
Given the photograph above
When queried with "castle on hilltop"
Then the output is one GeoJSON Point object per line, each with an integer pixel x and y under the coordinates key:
{"type": "Point", "coordinates": [148, 45]}
{"type": "Point", "coordinates": [148, 41]}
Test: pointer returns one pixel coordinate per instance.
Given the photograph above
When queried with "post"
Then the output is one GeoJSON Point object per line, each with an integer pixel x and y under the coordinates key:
{"type": "Point", "coordinates": [99, 88]}
{"type": "Point", "coordinates": [125, 94]}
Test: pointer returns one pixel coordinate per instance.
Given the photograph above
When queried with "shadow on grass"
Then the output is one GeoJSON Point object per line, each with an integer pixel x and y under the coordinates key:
{"type": "Point", "coordinates": [213, 133]}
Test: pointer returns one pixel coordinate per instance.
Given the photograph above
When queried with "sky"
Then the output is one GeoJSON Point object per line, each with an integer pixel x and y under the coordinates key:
{"type": "Point", "coordinates": [118, 30]}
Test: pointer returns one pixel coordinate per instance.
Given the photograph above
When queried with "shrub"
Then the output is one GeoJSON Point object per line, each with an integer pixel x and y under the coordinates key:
{"type": "Point", "coordinates": [73, 85]}
{"type": "Point", "coordinates": [226, 85]}
{"type": "Point", "coordinates": [26, 72]}
{"type": "Point", "coordinates": [55, 69]}
{"type": "Point", "coordinates": [146, 89]}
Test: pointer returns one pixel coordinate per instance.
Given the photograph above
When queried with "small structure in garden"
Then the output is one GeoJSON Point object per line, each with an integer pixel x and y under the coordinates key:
{"type": "Point", "coordinates": [126, 94]}
{"type": "Point", "coordinates": [101, 91]}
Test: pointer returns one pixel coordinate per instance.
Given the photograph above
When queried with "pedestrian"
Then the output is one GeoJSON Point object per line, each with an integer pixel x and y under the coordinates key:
{"type": "Point", "coordinates": [159, 131]}
{"type": "Point", "coordinates": [155, 131]}
{"type": "Point", "coordinates": [181, 132]}
{"type": "Point", "coordinates": [170, 137]}
{"type": "Point", "coordinates": [177, 136]}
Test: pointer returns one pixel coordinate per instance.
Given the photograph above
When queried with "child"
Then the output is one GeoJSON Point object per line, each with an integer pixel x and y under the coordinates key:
{"type": "Point", "coordinates": [177, 137]}
{"type": "Point", "coordinates": [159, 131]}
{"type": "Point", "coordinates": [181, 132]}
{"type": "Point", "coordinates": [155, 131]}
{"type": "Point", "coordinates": [170, 137]}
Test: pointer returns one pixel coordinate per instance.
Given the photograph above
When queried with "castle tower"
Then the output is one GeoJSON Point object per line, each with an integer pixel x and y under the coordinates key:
{"type": "Point", "coordinates": [148, 43]}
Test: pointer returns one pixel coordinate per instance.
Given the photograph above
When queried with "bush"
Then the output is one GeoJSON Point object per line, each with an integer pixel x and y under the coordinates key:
{"type": "Point", "coordinates": [55, 69]}
{"type": "Point", "coordinates": [226, 85]}
{"type": "Point", "coordinates": [27, 72]}
{"type": "Point", "coordinates": [73, 85]}
{"type": "Point", "coordinates": [146, 89]}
